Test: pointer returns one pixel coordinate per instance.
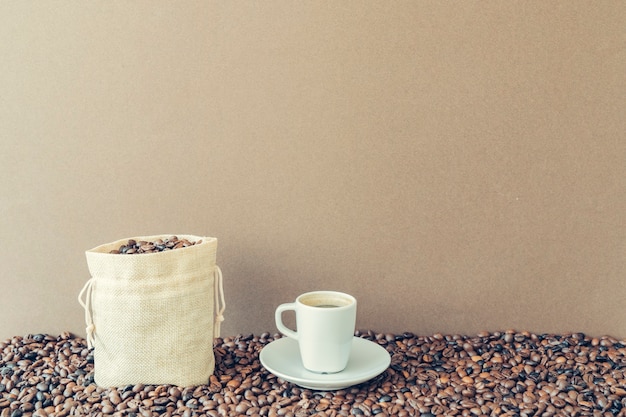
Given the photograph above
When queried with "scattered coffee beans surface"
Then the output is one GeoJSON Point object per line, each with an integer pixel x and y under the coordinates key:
{"type": "Point", "coordinates": [516, 374]}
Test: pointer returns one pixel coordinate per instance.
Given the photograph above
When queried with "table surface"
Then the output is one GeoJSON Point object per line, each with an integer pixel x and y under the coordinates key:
{"type": "Point", "coordinates": [499, 373]}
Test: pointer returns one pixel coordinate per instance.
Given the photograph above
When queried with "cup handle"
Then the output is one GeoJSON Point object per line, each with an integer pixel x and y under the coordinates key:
{"type": "Point", "coordinates": [279, 320]}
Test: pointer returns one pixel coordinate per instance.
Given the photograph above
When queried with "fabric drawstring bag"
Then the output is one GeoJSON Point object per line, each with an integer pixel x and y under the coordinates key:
{"type": "Point", "coordinates": [151, 318]}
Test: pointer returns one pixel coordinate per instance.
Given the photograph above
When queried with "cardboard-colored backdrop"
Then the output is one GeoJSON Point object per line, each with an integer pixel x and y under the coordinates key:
{"type": "Point", "coordinates": [457, 167]}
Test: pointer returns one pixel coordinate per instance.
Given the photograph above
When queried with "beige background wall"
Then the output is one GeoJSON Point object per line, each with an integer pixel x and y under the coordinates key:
{"type": "Point", "coordinates": [457, 166]}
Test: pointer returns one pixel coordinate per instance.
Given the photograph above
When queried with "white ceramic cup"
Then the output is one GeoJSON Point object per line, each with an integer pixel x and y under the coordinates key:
{"type": "Point", "coordinates": [325, 322]}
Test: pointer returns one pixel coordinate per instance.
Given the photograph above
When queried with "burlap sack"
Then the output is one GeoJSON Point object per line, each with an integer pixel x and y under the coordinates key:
{"type": "Point", "coordinates": [151, 318]}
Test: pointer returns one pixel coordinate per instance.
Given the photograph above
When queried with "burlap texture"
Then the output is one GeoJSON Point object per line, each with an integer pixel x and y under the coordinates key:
{"type": "Point", "coordinates": [152, 315]}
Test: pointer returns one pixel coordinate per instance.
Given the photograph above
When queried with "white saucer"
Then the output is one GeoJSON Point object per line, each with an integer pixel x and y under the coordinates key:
{"type": "Point", "coordinates": [367, 360]}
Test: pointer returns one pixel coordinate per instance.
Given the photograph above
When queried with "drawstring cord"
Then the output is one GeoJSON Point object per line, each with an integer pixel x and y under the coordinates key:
{"type": "Point", "coordinates": [90, 329]}
{"type": "Point", "coordinates": [220, 304]}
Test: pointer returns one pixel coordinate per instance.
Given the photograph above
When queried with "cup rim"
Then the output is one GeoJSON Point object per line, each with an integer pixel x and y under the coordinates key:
{"type": "Point", "coordinates": [351, 298]}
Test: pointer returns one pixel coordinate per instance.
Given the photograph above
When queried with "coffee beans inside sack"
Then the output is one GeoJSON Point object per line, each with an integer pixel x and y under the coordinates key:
{"type": "Point", "coordinates": [151, 318]}
{"type": "Point", "coordinates": [159, 245]}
